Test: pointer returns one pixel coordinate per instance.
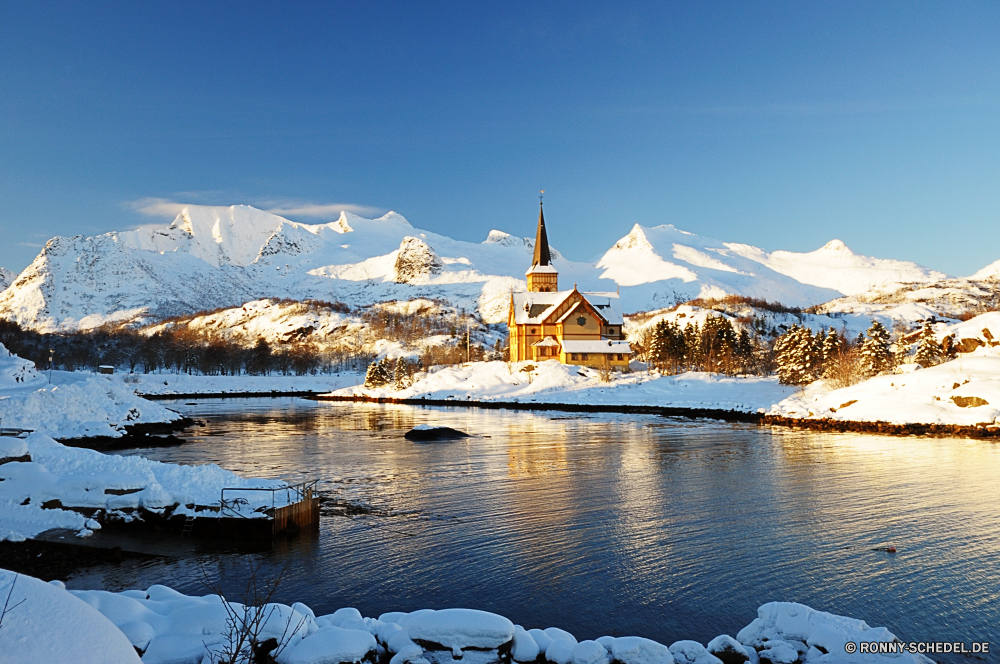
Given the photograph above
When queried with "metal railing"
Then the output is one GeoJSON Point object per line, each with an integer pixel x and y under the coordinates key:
{"type": "Point", "coordinates": [293, 493]}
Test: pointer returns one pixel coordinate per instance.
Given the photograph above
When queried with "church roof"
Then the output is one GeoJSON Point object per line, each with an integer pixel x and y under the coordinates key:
{"type": "Point", "coordinates": [608, 305]}
{"type": "Point", "coordinates": [602, 347]}
{"type": "Point", "coordinates": [541, 256]}
{"type": "Point", "coordinates": [532, 308]}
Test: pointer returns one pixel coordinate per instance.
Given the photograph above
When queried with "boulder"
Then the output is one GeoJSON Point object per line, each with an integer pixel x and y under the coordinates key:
{"type": "Point", "coordinates": [637, 650]}
{"type": "Point", "coordinates": [331, 645]}
{"type": "Point", "coordinates": [727, 649]}
{"type": "Point", "coordinates": [692, 652]}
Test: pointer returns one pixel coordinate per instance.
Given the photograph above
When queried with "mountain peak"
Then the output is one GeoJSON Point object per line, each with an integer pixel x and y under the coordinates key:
{"type": "Point", "coordinates": [636, 239]}
{"type": "Point", "coordinates": [836, 246]}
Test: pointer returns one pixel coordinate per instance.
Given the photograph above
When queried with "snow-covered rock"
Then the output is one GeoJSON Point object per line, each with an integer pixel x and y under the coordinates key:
{"type": "Point", "coordinates": [692, 652]}
{"type": "Point", "coordinates": [780, 626]}
{"type": "Point", "coordinates": [638, 650]}
{"type": "Point", "coordinates": [727, 649]}
{"type": "Point", "coordinates": [331, 645]}
{"type": "Point", "coordinates": [524, 649]}
{"type": "Point", "coordinates": [456, 629]}
{"type": "Point", "coordinates": [45, 623]}
{"type": "Point", "coordinates": [168, 626]}
{"type": "Point", "coordinates": [589, 652]}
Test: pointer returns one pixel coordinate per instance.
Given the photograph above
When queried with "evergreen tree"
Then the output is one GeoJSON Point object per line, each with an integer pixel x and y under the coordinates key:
{"type": "Point", "coordinates": [744, 352]}
{"type": "Point", "coordinates": [692, 347]}
{"type": "Point", "coordinates": [832, 345]}
{"type": "Point", "coordinates": [875, 355]}
{"type": "Point", "coordinates": [657, 344]}
{"type": "Point", "coordinates": [378, 373]}
{"type": "Point", "coordinates": [929, 351]}
{"type": "Point", "coordinates": [401, 375]}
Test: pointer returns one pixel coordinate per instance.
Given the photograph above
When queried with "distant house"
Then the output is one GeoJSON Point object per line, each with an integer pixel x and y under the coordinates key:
{"type": "Point", "coordinates": [572, 327]}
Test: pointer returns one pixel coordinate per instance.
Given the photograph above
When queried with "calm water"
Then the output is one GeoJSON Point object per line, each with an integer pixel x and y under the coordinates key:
{"type": "Point", "coordinates": [614, 525]}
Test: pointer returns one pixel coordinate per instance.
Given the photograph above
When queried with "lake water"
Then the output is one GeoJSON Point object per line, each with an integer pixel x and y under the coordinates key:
{"type": "Point", "coordinates": [622, 525]}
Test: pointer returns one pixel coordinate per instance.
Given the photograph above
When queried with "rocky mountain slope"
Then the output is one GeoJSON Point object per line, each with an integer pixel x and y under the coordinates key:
{"type": "Point", "coordinates": [214, 257]}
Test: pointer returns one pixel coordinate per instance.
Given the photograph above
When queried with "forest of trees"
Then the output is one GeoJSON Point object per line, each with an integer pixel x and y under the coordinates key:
{"type": "Point", "coordinates": [802, 357]}
{"type": "Point", "coordinates": [180, 350]}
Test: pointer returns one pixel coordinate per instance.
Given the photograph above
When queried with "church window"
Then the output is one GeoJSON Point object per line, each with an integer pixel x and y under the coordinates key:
{"type": "Point", "coordinates": [581, 321]}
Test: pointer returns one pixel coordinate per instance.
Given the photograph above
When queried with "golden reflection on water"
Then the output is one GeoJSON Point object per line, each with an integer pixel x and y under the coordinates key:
{"type": "Point", "coordinates": [673, 524]}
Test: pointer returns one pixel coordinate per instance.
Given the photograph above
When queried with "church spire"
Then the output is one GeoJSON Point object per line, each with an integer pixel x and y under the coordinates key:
{"type": "Point", "coordinates": [542, 277]}
{"type": "Point", "coordinates": [541, 256]}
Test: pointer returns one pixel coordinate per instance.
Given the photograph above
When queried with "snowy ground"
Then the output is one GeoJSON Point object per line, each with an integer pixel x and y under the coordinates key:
{"type": "Point", "coordinates": [117, 485]}
{"type": "Point", "coordinates": [965, 391]}
{"type": "Point", "coordinates": [75, 405]}
{"type": "Point", "coordinates": [167, 383]}
{"type": "Point", "coordinates": [50, 623]}
{"type": "Point", "coordinates": [552, 382]}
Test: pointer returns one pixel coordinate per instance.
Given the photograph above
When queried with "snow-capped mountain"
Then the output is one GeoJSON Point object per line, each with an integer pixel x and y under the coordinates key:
{"type": "Point", "coordinates": [214, 257]}
{"type": "Point", "coordinates": [7, 277]}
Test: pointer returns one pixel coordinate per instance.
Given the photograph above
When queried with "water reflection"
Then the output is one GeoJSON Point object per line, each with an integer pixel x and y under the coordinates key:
{"type": "Point", "coordinates": [623, 525]}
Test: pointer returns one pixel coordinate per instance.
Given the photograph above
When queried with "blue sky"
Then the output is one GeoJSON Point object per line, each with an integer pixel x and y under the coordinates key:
{"type": "Point", "coordinates": [782, 125]}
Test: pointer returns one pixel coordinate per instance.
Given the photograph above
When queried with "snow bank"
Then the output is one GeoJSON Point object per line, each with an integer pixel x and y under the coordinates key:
{"type": "Point", "coordinates": [117, 486]}
{"type": "Point", "coordinates": [167, 626]}
{"type": "Point", "coordinates": [553, 382]}
{"type": "Point", "coordinates": [79, 405]}
{"type": "Point", "coordinates": [963, 392]}
{"type": "Point", "coordinates": [45, 623]}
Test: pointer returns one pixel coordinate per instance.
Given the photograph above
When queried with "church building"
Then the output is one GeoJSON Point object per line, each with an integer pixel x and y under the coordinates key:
{"type": "Point", "coordinates": [569, 326]}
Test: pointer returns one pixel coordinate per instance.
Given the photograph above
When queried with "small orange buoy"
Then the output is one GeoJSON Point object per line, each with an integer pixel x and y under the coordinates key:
{"type": "Point", "coordinates": [890, 549]}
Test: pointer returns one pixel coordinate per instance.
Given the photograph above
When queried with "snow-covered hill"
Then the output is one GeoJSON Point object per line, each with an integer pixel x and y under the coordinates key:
{"type": "Point", "coordinates": [215, 257]}
{"type": "Point", "coordinates": [949, 298]}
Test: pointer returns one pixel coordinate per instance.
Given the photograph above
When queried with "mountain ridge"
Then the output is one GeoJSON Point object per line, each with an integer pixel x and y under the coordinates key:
{"type": "Point", "coordinates": [211, 257]}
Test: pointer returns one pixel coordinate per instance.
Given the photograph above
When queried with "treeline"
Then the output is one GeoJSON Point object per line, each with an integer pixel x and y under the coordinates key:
{"type": "Point", "coordinates": [802, 357]}
{"type": "Point", "coordinates": [714, 346]}
{"type": "Point", "coordinates": [177, 350]}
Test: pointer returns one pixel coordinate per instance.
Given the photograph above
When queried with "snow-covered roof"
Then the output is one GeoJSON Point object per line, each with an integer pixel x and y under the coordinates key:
{"type": "Point", "coordinates": [532, 308]}
{"type": "Point", "coordinates": [573, 346]}
{"type": "Point", "coordinates": [608, 305]}
{"type": "Point", "coordinates": [536, 269]}
{"type": "Point", "coordinates": [547, 341]}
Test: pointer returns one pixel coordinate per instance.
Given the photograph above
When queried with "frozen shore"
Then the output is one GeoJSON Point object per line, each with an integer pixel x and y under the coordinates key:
{"type": "Point", "coordinates": [552, 382]}
{"type": "Point", "coordinates": [964, 392]}
{"type": "Point", "coordinates": [49, 623]}
{"type": "Point", "coordinates": [72, 405]}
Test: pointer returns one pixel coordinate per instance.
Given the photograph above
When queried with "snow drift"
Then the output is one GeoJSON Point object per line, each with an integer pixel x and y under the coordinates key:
{"type": "Point", "coordinates": [167, 626]}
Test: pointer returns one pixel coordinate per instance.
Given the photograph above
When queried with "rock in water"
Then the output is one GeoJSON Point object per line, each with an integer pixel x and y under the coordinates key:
{"type": "Point", "coordinates": [424, 432]}
{"type": "Point", "coordinates": [727, 649]}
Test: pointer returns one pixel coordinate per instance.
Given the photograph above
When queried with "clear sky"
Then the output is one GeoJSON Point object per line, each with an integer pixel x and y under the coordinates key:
{"type": "Point", "coordinates": [782, 125]}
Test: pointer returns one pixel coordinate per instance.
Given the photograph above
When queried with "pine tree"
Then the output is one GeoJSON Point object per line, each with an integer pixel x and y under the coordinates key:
{"type": "Point", "coordinates": [401, 377]}
{"type": "Point", "coordinates": [657, 344]}
{"type": "Point", "coordinates": [929, 351]}
{"type": "Point", "coordinates": [875, 355]}
{"type": "Point", "coordinates": [378, 373]}
{"type": "Point", "coordinates": [830, 353]}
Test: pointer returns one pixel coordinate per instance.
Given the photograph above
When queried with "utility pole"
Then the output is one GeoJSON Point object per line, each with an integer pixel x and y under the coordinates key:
{"type": "Point", "coordinates": [52, 353]}
{"type": "Point", "coordinates": [468, 346]}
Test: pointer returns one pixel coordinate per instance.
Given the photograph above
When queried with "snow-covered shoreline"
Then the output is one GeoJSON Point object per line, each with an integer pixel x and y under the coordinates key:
{"type": "Point", "coordinates": [964, 392]}
{"type": "Point", "coordinates": [167, 627]}
{"type": "Point", "coordinates": [73, 405]}
{"type": "Point", "coordinates": [554, 383]}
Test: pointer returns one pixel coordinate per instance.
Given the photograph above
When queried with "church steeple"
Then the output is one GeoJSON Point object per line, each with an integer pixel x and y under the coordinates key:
{"type": "Point", "coordinates": [541, 241]}
{"type": "Point", "coordinates": [542, 277]}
